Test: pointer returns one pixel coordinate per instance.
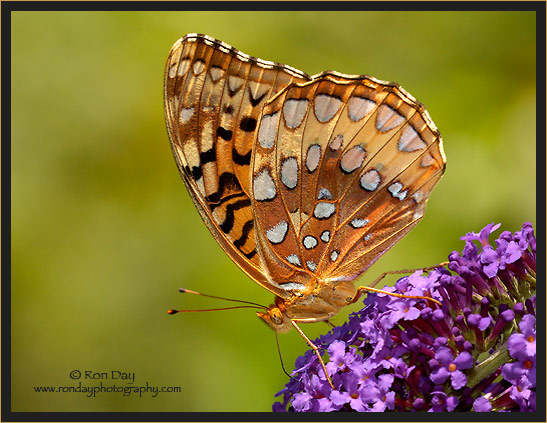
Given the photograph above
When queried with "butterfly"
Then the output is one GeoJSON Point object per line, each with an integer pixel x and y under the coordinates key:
{"type": "Point", "coordinates": [304, 181]}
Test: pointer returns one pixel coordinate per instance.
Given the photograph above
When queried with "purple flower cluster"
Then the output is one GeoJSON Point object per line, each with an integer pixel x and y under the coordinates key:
{"type": "Point", "coordinates": [475, 353]}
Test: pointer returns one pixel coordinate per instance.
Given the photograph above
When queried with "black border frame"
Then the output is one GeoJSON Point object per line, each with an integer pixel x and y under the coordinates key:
{"type": "Point", "coordinates": [7, 7]}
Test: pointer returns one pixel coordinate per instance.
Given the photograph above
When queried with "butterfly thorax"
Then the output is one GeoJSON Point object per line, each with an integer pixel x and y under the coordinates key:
{"type": "Point", "coordinates": [322, 303]}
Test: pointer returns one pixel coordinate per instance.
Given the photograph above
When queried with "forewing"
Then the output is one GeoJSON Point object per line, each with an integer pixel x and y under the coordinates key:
{"type": "Point", "coordinates": [213, 97]}
{"type": "Point", "coordinates": [345, 174]}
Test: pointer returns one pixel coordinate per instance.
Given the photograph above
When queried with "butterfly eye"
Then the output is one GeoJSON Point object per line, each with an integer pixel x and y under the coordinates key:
{"type": "Point", "coordinates": [276, 316]}
{"type": "Point", "coordinates": [275, 319]}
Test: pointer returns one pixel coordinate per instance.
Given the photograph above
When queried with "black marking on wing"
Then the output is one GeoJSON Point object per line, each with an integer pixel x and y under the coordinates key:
{"type": "Point", "coordinates": [195, 172]}
{"type": "Point", "coordinates": [256, 101]}
{"type": "Point", "coordinates": [232, 93]}
{"type": "Point", "coordinates": [213, 206]}
{"type": "Point", "coordinates": [241, 159]}
{"type": "Point", "coordinates": [223, 133]}
{"type": "Point", "coordinates": [228, 223]}
{"type": "Point", "coordinates": [225, 181]}
{"type": "Point", "coordinates": [245, 231]}
{"type": "Point", "coordinates": [247, 124]}
{"type": "Point", "coordinates": [249, 255]}
{"type": "Point", "coordinates": [204, 157]}
{"type": "Point", "coordinates": [208, 156]}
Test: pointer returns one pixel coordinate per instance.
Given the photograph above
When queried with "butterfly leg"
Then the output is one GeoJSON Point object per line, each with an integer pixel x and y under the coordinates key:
{"type": "Point", "coordinates": [370, 288]}
{"type": "Point", "coordinates": [393, 294]}
{"type": "Point", "coordinates": [406, 271]}
{"type": "Point", "coordinates": [328, 322]}
{"type": "Point", "coordinates": [316, 350]}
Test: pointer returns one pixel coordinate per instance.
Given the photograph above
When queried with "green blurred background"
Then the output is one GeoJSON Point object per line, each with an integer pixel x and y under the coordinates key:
{"type": "Point", "coordinates": [103, 231]}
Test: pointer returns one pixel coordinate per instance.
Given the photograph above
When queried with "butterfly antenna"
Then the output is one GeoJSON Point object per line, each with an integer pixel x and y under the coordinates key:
{"type": "Point", "coordinates": [188, 291]}
{"type": "Point", "coordinates": [172, 311]}
{"type": "Point", "coordinates": [281, 357]}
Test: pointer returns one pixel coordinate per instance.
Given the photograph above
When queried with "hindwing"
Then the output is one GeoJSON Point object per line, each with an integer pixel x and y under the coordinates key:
{"type": "Point", "coordinates": [344, 176]}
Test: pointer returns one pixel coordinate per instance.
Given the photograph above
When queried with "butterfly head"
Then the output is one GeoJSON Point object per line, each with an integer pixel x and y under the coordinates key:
{"type": "Point", "coordinates": [275, 316]}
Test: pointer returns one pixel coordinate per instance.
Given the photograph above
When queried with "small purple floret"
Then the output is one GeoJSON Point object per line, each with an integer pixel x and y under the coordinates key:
{"type": "Point", "coordinates": [482, 405]}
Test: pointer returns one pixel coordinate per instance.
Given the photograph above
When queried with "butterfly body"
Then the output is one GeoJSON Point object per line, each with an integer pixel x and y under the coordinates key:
{"type": "Point", "coordinates": [304, 181]}
{"type": "Point", "coordinates": [322, 303]}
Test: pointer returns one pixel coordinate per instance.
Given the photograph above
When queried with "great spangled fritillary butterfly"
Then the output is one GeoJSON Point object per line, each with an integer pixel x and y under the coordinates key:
{"type": "Point", "coordinates": [304, 181]}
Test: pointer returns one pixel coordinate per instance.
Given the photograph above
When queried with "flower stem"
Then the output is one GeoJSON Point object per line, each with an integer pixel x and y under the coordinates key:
{"type": "Point", "coordinates": [488, 366]}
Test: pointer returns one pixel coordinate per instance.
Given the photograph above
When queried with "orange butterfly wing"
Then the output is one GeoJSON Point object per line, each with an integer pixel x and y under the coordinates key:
{"type": "Point", "coordinates": [213, 97]}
